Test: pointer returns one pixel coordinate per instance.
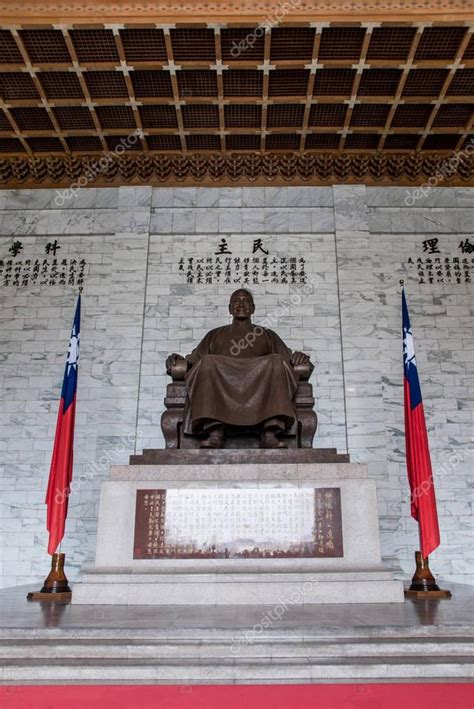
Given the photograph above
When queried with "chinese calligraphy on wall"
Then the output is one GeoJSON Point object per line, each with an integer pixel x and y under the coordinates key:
{"type": "Point", "coordinates": [23, 272]}
{"type": "Point", "coordinates": [435, 267]}
{"type": "Point", "coordinates": [260, 267]}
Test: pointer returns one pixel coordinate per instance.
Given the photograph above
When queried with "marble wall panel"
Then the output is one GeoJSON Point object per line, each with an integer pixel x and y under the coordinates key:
{"type": "Point", "coordinates": [357, 241]}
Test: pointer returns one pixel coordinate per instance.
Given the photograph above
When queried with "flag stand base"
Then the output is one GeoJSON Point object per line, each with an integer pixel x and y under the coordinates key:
{"type": "Point", "coordinates": [55, 587]}
{"type": "Point", "coordinates": [423, 583]}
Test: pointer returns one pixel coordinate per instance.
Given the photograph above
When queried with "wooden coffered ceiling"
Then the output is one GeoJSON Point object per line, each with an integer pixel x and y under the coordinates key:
{"type": "Point", "coordinates": [297, 101]}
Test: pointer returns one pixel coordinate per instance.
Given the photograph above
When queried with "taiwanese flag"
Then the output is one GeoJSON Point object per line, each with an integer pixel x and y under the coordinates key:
{"type": "Point", "coordinates": [420, 476]}
{"type": "Point", "coordinates": [60, 474]}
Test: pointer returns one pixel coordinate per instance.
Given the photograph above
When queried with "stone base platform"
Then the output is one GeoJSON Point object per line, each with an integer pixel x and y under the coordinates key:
{"type": "Point", "coordinates": [266, 584]}
{"type": "Point", "coordinates": [255, 543]}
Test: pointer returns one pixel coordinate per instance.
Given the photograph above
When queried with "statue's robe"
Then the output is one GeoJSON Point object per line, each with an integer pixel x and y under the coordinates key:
{"type": "Point", "coordinates": [240, 376]}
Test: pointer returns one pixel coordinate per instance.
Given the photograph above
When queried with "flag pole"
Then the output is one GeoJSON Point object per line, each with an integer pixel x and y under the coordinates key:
{"type": "Point", "coordinates": [423, 583]}
{"type": "Point", "coordinates": [56, 586]}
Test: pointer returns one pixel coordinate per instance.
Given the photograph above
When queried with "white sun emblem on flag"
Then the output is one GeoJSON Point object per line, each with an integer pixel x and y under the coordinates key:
{"type": "Point", "coordinates": [409, 348]}
{"type": "Point", "coordinates": [73, 351]}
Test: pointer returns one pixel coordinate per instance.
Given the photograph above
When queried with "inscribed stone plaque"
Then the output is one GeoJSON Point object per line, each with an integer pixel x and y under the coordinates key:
{"type": "Point", "coordinates": [238, 523]}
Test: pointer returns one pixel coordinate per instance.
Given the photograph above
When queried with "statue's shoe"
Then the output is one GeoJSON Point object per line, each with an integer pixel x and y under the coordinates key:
{"type": "Point", "coordinates": [269, 440]}
{"type": "Point", "coordinates": [215, 440]}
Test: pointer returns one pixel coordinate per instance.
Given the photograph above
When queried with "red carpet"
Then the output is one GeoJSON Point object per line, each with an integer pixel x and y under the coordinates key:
{"type": "Point", "coordinates": [316, 696]}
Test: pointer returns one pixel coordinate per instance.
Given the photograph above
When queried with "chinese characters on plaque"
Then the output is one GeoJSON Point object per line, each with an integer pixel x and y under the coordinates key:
{"type": "Point", "coordinates": [259, 267]}
{"type": "Point", "coordinates": [434, 267]}
{"type": "Point", "coordinates": [150, 524]}
{"type": "Point", "coordinates": [328, 533]}
{"type": "Point", "coordinates": [53, 271]}
{"type": "Point", "coordinates": [243, 523]}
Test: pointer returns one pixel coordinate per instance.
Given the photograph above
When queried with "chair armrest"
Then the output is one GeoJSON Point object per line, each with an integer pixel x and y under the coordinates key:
{"type": "Point", "coordinates": [303, 371]}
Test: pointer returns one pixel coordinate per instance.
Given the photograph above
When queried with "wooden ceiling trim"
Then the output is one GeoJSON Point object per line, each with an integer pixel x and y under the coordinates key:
{"type": "Point", "coordinates": [131, 91]}
{"type": "Point", "coordinates": [310, 88]}
{"type": "Point", "coordinates": [465, 135]}
{"type": "Point", "coordinates": [220, 88]}
{"type": "Point", "coordinates": [406, 70]}
{"type": "Point", "coordinates": [231, 170]}
{"type": "Point", "coordinates": [355, 87]}
{"type": "Point", "coordinates": [314, 86]}
{"type": "Point", "coordinates": [85, 89]}
{"type": "Point", "coordinates": [5, 107]}
{"type": "Point", "coordinates": [173, 11]}
{"type": "Point", "coordinates": [265, 67]}
{"type": "Point", "coordinates": [437, 105]}
{"type": "Point", "coordinates": [171, 67]}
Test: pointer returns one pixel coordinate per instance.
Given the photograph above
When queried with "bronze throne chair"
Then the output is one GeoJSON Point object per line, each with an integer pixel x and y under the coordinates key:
{"type": "Point", "coordinates": [300, 435]}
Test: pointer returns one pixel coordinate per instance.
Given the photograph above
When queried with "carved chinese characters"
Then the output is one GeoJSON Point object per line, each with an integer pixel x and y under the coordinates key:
{"type": "Point", "coordinates": [238, 523]}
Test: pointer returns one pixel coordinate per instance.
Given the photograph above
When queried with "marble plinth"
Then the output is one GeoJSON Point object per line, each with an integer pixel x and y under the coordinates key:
{"type": "Point", "coordinates": [352, 573]}
{"type": "Point", "coordinates": [262, 586]}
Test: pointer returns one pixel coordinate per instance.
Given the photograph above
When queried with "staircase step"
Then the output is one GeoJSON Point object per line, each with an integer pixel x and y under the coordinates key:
{"type": "Point", "coordinates": [203, 656]}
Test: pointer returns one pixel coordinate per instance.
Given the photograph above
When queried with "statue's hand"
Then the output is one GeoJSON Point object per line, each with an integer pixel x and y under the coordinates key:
{"type": "Point", "coordinates": [299, 358]}
{"type": "Point", "coordinates": [171, 361]}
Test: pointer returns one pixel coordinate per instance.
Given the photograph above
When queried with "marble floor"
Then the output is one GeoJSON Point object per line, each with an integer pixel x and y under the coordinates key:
{"type": "Point", "coordinates": [17, 612]}
{"type": "Point", "coordinates": [415, 641]}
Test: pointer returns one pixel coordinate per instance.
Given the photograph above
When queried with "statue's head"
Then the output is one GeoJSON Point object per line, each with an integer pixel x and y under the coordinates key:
{"type": "Point", "coordinates": [241, 305]}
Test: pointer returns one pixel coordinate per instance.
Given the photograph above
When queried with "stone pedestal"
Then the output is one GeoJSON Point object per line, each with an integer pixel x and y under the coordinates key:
{"type": "Point", "coordinates": [224, 533]}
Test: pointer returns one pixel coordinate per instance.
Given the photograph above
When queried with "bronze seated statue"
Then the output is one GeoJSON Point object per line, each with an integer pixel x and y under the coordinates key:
{"type": "Point", "coordinates": [241, 387]}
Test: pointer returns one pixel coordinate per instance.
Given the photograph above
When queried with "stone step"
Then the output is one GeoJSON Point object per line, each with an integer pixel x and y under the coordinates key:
{"type": "Point", "coordinates": [201, 631]}
{"type": "Point", "coordinates": [221, 593]}
{"type": "Point", "coordinates": [196, 575]}
{"type": "Point", "coordinates": [236, 655]}
{"type": "Point", "coordinates": [329, 569]}
{"type": "Point", "coordinates": [249, 587]}
{"type": "Point", "coordinates": [264, 670]}
{"type": "Point", "coordinates": [219, 652]}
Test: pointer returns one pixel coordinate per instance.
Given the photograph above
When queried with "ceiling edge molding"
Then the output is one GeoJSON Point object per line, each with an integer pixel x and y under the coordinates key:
{"type": "Point", "coordinates": [163, 11]}
{"type": "Point", "coordinates": [73, 173]}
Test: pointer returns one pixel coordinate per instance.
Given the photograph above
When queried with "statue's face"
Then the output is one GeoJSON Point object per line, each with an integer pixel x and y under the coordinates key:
{"type": "Point", "coordinates": [241, 305]}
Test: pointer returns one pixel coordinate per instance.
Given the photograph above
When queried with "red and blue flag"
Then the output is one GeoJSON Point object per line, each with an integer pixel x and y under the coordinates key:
{"type": "Point", "coordinates": [420, 475]}
{"type": "Point", "coordinates": [60, 474]}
